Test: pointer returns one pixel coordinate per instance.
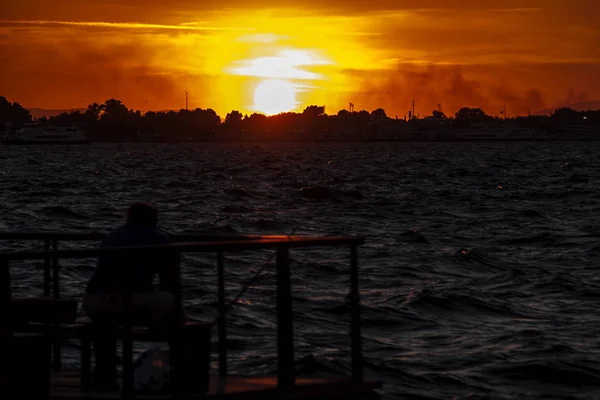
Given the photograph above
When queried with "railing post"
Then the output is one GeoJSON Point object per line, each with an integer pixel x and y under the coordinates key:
{"type": "Point", "coordinates": [222, 321]}
{"type": "Point", "coordinates": [177, 297]}
{"type": "Point", "coordinates": [355, 334]}
{"type": "Point", "coordinates": [47, 268]}
{"type": "Point", "coordinates": [285, 329]}
{"type": "Point", "coordinates": [177, 349]}
{"type": "Point", "coordinates": [5, 297]}
{"type": "Point", "coordinates": [55, 277]}
{"type": "Point", "coordinates": [127, 389]}
{"type": "Point", "coordinates": [56, 346]}
{"type": "Point", "coordinates": [5, 328]}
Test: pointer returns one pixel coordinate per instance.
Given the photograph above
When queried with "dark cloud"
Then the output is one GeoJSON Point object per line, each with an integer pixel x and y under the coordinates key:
{"type": "Point", "coordinates": [428, 86]}
{"type": "Point", "coordinates": [450, 86]}
{"type": "Point", "coordinates": [78, 72]}
{"type": "Point", "coordinates": [574, 96]}
{"type": "Point", "coordinates": [518, 102]}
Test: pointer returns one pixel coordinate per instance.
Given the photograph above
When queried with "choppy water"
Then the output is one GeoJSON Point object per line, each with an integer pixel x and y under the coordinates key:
{"type": "Point", "coordinates": [479, 276]}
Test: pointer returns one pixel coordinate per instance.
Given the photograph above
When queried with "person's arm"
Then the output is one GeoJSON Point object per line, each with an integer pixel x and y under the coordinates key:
{"type": "Point", "coordinates": [99, 280]}
{"type": "Point", "coordinates": [169, 279]}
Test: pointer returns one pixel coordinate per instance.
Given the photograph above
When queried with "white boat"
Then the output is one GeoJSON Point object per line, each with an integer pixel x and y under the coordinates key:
{"type": "Point", "coordinates": [36, 133]}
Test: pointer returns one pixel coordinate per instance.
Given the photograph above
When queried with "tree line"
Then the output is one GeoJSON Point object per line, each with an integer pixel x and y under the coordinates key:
{"type": "Point", "coordinates": [114, 121]}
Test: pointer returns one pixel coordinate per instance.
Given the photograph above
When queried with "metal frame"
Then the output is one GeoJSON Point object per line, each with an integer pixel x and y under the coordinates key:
{"type": "Point", "coordinates": [282, 244]}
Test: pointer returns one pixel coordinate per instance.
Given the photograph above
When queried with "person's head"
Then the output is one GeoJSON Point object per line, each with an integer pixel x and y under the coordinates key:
{"type": "Point", "coordinates": [142, 215]}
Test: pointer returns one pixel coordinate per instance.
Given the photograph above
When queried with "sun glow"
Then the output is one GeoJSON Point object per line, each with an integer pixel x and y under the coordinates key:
{"type": "Point", "coordinates": [274, 96]}
{"type": "Point", "coordinates": [287, 64]}
{"type": "Point", "coordinates": [279, 77]}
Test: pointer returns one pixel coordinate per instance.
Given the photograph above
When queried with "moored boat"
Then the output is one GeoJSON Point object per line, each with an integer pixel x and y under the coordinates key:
{"type": "Point", "coordinates": [36, 133]}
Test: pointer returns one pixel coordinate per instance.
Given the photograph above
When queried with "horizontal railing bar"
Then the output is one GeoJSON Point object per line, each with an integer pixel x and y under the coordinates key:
{"type": "Point", "coordinates": [198, 247]}
{"type": "Point", "coordinates": [51, 236]}
{"type": "Point", "coordinates": [83, 236]}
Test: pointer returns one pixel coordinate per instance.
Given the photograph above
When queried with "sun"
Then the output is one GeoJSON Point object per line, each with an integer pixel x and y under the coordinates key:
{"type": "Point", "coordinates": [274, 96]}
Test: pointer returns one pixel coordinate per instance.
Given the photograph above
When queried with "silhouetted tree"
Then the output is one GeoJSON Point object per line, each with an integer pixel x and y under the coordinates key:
{"type": "Point", "coordinates": [114, 111]}
{"type": "Point", "coordinates": [93, 112]}
{"type": "Point", "coordinates": [233, 124]}
{"type": "Point", "coordinates": [467, 116]}
{"type": "Point", "coordinates": [233, 118]}
{"type": "Point", "coordinates": [439, 114]}
{"type": "Point", "coordinates": [566, 115]}
{"type": "Point", "coordinates": [113, 121]}
{"type": "Point", "coordinates": [313, 111]}
{"type": "Point", "coordinates": [378, 114]}
{"type": "Point", "coordinates": [13, 114]}
{"type": "Point", "coordinates": [256, 123]}
{"type": "Point", "coordinates": [343, 114]}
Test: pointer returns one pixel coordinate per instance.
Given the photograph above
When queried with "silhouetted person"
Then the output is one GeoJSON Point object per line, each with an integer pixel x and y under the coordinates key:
{"type": "Point", "coordinates": [131, 273]}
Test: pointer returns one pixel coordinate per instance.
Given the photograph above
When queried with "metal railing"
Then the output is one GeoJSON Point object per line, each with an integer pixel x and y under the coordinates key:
{"type": "Point", "coordinates": [51, 282]}
{"type": "Point", "coordinates": [282, 244]}
{"type": "Point", "coordinates": [51, 279]}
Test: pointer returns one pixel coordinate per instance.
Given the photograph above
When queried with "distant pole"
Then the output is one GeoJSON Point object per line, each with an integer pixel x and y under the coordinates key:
{"type": "Point", "coordinates": [186, 100]}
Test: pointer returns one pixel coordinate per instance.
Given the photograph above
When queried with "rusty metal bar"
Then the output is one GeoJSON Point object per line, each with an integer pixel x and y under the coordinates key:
{"type": "Point", "coordinates": [98, 236]}
{"type": "Point", "coordinates": [285, 329]}
{"type": "Point", "coordinates": [47, 268]}
{"type": "Point", "coordinates": [57, 344]}
{"type": "Point", "coordinates": [127, 385]}
{"type": "Point", "coordinates": [222, 321]}
{"type": "Point", "coordinates": [355, 334]}
{"type": "Point", "coordinates": [195, 247]}
{"type": "Point", "coordinates": [178, 366]}
{"type": "Point", "coordinates": [5, 328]}
{"type": "Point", "coordinates": [86, 359]}
{"type": "Point", "coordinates": [55, 275]}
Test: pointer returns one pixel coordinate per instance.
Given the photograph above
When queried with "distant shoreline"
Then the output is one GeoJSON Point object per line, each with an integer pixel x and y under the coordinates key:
{"type": "Point", "coordinates": [113, 122]}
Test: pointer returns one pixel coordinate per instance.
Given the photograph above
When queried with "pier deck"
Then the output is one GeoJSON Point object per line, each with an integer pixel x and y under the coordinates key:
{"type": "Point", "coordinates": [65, 386]}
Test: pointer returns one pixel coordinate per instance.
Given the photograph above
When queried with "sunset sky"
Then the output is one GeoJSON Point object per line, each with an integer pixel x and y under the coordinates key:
{"type": "Point", "coordinates": [278, 56]}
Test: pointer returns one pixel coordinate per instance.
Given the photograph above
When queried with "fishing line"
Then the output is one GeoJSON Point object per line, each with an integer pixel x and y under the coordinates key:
{"type": "Point", "coordinates": [267, 263]}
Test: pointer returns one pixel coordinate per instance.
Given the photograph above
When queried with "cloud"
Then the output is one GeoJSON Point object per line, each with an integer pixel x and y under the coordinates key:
{"type": "Point", "coordinates": [575, 96]}
{"type": "Point", "coordinates": [518, 103]}
{"type": "Point", "coordinates": [450, 86]}
{"type": "Point", "coordinates": [383, 53]}
{"type": "Point", "coordinates": [79, 72]}
{"type": "Point", "coordinates": [121, 25]}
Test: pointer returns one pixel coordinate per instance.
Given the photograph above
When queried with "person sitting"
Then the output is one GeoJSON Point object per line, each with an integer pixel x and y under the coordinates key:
{"type": "Point", "coordinates": [130, 274]}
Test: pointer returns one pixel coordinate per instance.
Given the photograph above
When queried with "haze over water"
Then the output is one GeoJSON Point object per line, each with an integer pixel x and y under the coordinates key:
{"type": "Point", "coordinates": [479, 277]}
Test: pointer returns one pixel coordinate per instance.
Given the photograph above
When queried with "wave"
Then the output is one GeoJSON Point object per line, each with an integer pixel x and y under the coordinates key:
{"type": "Point", "coordinates": [494, 294]}
{"type": "Point", "coordinates": [238, 193]}
{"type": "Point", "coordinates": [62, 212]}
{"type": "Point", "coordinates": [532, 214]}
{"type": "Point", "coordinates": [236, 209]}
{"type": "Point", "coordinates": [316, 193]}
{"type": "Point", "coordinates": [549, 372]}
{"type": "Point", "coordinates": [324, 193]}
{"type": "Point", "coordinates": [414, 236]}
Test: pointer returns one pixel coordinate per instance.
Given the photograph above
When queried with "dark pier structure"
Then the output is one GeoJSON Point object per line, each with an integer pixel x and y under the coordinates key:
{"type": "Point", "coordinates": [33, 329]}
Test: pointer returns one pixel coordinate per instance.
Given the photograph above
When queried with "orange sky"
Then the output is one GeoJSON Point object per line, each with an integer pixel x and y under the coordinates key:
{"type": "Point", "coordinates": [382, 53]}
